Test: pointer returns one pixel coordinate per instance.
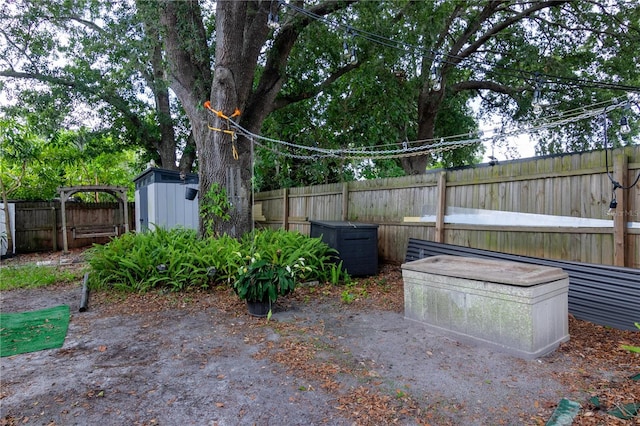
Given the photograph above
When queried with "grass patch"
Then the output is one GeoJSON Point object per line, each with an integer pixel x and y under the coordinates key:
{"type": "Point", "coordinates": [34, 276]}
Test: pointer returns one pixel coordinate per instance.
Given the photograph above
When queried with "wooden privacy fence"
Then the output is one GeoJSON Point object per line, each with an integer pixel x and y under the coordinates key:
{"type": "Point", "coordinates": [38, 225]}
{"type": "Point", "coordinates": [554, 207]}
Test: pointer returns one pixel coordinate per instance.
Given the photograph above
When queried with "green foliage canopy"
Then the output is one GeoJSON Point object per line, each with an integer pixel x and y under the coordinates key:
{"type": "Point", "coordinates": [141, 68]}
{"type": "Point", "coordinates": [32, 168]}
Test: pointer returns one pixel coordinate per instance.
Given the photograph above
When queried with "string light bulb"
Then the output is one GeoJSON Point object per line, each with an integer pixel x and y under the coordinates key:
{"type": "Point", "coordinates": [434, 76]}
{"type": "Point", "coordinates": [349, 52]}
{"type": "Point", "coordinates": [537, 107]}
{"type": "Point", "coordinates": [436, 82]}
{"type": "Point", "coordinates": [273, 21]}
{"type": "Point", "coordinates": [493, 160]}
{"type": "Point", "coordinates": [624, 125]}
{"type": "Point", "coordinates": [612, 207]}
{"type": "Point", "coordinates": [435, 79]}
{"type": "Point", "coordinates": [353, 59]}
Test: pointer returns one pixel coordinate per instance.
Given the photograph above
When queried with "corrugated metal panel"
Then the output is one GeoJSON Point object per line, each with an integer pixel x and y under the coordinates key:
{"type": "Point", "coordinates": [605, 295]}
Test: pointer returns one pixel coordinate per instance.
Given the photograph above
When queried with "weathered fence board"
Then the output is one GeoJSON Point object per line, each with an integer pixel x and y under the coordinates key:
{"type": "Point", "coordinates": [39, 224]}
{"type": "Point", "coordinates": [576, 186]}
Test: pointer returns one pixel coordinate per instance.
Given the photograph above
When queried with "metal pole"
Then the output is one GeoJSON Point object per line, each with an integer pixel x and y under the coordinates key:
{"type": "Point", "coordinates": [84, 301]}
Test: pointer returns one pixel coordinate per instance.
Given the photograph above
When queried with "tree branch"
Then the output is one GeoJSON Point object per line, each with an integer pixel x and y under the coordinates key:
{"type": "Point", "coordinates": [189, 59]}
{"type": "Point", "coordinates": [263, 99]}
{"type": "Point", "coordinates": [283, 101]}
{"type": "Point", "coordinates": [483, 85]}
{"type": "Point", "coordinates": [77, 19]}
{"type": "Point", "coordinates": [112, 99]}
{"type": "Point", "coordinates": [460, 53]}
{"type": "Point", "coordinates": [21, 49]}
{"type": "Point", "coordinates": [445, 29]}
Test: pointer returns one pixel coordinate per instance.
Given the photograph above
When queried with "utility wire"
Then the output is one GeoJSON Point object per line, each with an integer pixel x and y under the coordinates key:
{"type": "Point", "coordinates": [615, 183]}
{"type": "Point", "coordinates": [424, 146]}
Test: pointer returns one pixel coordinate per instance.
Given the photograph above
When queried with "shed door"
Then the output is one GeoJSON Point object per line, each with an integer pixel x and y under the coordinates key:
{"type": "Point", "coordinates": [144, 208]}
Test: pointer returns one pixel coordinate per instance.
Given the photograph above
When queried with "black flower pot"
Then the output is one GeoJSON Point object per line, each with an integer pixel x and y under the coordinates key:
{"type": "Point", "coordinates": [259, 309]}
{"type": "Point", "coordinates": [190, 193]}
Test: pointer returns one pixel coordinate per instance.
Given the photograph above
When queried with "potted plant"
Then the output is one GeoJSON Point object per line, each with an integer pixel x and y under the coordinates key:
{"type": "Point", "coordinates": [260, 283]}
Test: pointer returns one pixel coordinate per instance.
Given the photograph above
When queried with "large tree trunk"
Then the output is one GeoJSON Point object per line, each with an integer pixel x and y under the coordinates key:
{"type": "Point", "coordinates": [224, 159]}
{"type": "Point", "coordinates": [429, 102]}
{"type": "Point", "coordinates": [188, 155]}
{"type": "Point", "coordinates": [166, 146]}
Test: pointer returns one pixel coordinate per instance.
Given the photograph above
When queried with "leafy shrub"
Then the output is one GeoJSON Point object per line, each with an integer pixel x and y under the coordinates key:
{"type": "Point", "coordinates": [177, 259]}
{"type": "Point", "coordinates": [282, 247]}
{"type": "Point", "coordinates": [262, 281]}
{"type": "Point", "coordinates": [174, 258]}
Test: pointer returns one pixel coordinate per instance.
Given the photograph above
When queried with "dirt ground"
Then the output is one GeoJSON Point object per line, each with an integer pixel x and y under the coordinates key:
{"type": "Point", "coordinates": [198, 358]}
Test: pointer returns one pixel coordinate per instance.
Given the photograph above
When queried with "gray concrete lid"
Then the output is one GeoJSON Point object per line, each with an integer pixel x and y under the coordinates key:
{"type": "Point", "coordinates": [496, 271]}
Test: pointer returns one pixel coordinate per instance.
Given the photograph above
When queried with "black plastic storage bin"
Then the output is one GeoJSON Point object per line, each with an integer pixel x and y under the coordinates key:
{"type": "Point", "coordinates": [357, 244]}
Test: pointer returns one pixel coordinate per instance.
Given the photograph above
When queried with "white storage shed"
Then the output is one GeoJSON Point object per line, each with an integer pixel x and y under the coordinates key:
{"type": "Point", "coordinates": [166, 199]}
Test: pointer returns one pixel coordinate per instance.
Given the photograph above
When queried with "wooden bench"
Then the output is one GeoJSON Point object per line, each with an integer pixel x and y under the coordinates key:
{"type": "Point", "coordinates": [95, 231]}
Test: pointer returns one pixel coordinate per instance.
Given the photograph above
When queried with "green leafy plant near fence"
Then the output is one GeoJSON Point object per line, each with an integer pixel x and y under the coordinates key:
{"type": "Point", "coordinates": [214, 206]}
{"type": "Point", "coordinates": [177, 259]}
{"type": "Point", "coordinates": [174, 259]}
{"type": "Point", "coordinates": [286, 247]}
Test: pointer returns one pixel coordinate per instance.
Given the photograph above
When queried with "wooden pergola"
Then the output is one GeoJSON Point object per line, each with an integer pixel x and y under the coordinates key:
{"type": "Point", "coordinates": [120, 192]}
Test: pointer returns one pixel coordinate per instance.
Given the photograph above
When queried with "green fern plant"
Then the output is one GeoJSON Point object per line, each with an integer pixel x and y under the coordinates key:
{"type": "Point", "coordinates": [138, 262]}
{"type": "Point", "coordinates": [338, 274]}
{"type": "Point", "coordinates": [177, 259]}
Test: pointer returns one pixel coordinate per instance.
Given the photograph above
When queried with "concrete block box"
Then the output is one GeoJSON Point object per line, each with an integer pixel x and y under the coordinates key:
{"type": "Point", "coordinates": [518, 308]}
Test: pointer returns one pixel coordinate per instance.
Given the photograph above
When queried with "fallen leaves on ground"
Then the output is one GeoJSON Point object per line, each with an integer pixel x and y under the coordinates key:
{"type": "Point", "coordinates": [594, 351]}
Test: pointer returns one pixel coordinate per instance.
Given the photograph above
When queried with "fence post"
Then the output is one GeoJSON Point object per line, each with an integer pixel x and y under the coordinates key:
{"type": "Point", "coordinates": [54, 229]}
{"type": "Point", "coordinates": [285, 209]}
{"type": "Point", "coordinates": [441, 207]}
{"type": "Point", "coordinates": [620, 216]}
{"type": "Point", "coordinates": [345, 201]}
{"type": "Point", "coordinates": [63, 212]}
{"type": "Point", "coordinates": [125, 210]}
